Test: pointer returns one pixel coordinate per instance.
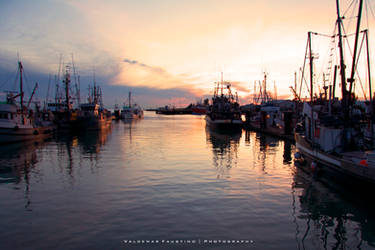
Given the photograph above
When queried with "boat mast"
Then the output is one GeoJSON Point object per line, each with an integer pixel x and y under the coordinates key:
{"type": "Point", "coordinates": [79, 91]}
{"type": "Point", "coordinates": [58, 96]}
{"type": "Point", "coordinates": [342, 64]}
{"type": "Point", "coordinates": [94, 89]}
{"type": "Point", "coordinates": [311, 88]}
{"type": "Point", "coordinates": [347, 93]}
{"type": "Point", "coordinates": [76, 82]}
{"type": "Point", "coordinates": [20, 67]}
{"type": "Point", "coordinates": [95, 95]}
{"type": "Point", "coordinates": [67, 82]}
{"type": "Point", "coordinates": [275, 90]}
{"type": "Point", "coordinates": [265, 96]}
{"type": "Point", "coordinates": [130, 94]}
{"type": "Point", "coordinates": [49, 83]}
{"type": "Point", "coordinates": [334, 82]}
{"type": "Point", "coordinates": [222, 84]}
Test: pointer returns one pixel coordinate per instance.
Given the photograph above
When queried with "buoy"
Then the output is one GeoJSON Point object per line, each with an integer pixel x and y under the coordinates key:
{"type": "Point", "coordinates": [363, 163]}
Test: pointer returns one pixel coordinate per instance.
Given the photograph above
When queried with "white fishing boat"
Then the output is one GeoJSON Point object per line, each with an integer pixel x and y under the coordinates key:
{"type": "Point", "coordinates": [131, 111]}
{"type": "Point", "coordinates": [17, 122]}
{"type": "Point", "coordinates": [332, 131]}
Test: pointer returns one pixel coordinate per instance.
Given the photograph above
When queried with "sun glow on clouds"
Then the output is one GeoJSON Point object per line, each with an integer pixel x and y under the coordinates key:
{"type": "Point", "coordinates": [167, 44]}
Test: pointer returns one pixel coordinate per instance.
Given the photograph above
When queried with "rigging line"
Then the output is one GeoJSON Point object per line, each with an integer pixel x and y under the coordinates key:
{"type": "Point", "coordinates": [320, 34]}
{"type": "Point", "coordinates": [359, 52]}
{"type": "Point", "coordinates": [346, 36]}
{"type": "Point", "coordinates": [352, 16]}
{"type": "Point", "coordinates": [372, 12]}
{"type": "Point", "coordinates": [356, 68]}
{"type": "Point", "coordinates": [307, 85]}
{"type": "Point", "coordinates": [348, 8]}
{"type": "Point", "coordinates": [26, 81]}
{"type": "Point", "coordinates": [8, 79]}
{"type": "Point", "coordinates": [361, 85]}
{"type": "Point", "coordinates": [303, 68]}
{"type": "Point", "coordinates": [15, 80]}
{"type": "Point", "coordinates": [328, 55]}
{"type": "Point", "coordinates": [333, 55]}
{"type": "Point", "coordinates": [368, 6]}
{"type": "Point", "coordinates": [366, 9]}
{"type": "Point", "coordinates": [347, 42]}
{"type": "Point", "coordinates": [351, 54]}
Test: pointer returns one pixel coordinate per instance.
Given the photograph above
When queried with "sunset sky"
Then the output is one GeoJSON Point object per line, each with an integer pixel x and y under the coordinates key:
{"type": "Point", "coordinates": [164, 51]}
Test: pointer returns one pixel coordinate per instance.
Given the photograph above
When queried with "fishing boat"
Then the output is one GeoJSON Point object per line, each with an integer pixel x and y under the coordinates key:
{"type": "Point", "coordinates": [200, 108]}
{"type": "Point", "coordinates": [268, 115]}
{"type": "Point", "coordinates": [131, 111]}
{"type": "Point", "coordinates": [64, 113]}
{"type": "Point", "coordinates": [117, 112]}
{"type": "Point", "coordinates": [224, 113]}
{"type": "Point", "coordinates": [172, 110]}
{"type": "Point", "coordinates": [331, 132]}
{"type": "Point", "coordinates": [17, 122]}
{"type": "Point", "coordinates": [92, 115]}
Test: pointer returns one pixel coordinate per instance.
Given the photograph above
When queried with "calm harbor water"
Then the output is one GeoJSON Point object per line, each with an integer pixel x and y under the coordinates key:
{"type": "Point", "coordinates": [170, 178]}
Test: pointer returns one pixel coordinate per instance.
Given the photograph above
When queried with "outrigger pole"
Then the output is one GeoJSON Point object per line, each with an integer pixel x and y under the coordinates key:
{"type": "Point", "coordinates": [351, 79]}
{"type": "Point", "coordinates": [370, 89]}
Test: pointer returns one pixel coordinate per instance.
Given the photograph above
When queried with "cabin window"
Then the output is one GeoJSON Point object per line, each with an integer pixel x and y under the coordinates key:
{"type": "Point", "coordinates": [3, 115]}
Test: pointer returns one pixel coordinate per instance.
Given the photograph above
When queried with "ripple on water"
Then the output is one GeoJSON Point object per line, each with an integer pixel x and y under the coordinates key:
{"type": "Point", "coordinates": [169, 177]}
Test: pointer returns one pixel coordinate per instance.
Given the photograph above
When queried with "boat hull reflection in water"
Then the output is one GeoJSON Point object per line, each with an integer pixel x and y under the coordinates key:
{"type": "Point", "coordinates": [330, 213]}
{"type": "Point", "coordinates": [16, 161]}
{"type": "Point", "coordinates": [172, 178]}
{"type": "Point", "coordinates": [224, 149]}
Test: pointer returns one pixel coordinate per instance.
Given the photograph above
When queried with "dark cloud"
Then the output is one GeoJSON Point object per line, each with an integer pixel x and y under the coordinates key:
{"type": "Point", "coordinates": [130, 61]}
{"type": "Point", "coordinates": [154, 69]}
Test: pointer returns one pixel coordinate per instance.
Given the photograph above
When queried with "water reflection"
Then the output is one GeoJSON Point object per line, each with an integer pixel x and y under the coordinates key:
{"type": "Point", "coordinates": [16, 160]}
{"type": "Point", "coordinates": [129, 125]}
{"type": "Point", "coordinates": [163, 180]}
{"type": "Point", "coordinates": [89, 142]}
{"type": "Point", "coordinates": [287, 153]}
{"type": "Point", "coordinates": [92, 141]}
{"type": "Point", "coordinates": [265, 147]}
{"type": "Point", "coordinates": [267, 142]}
{"type": "Point", "coordinates": [327, 219]}
{"type": "Point", "coordinates": [225, 150]}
